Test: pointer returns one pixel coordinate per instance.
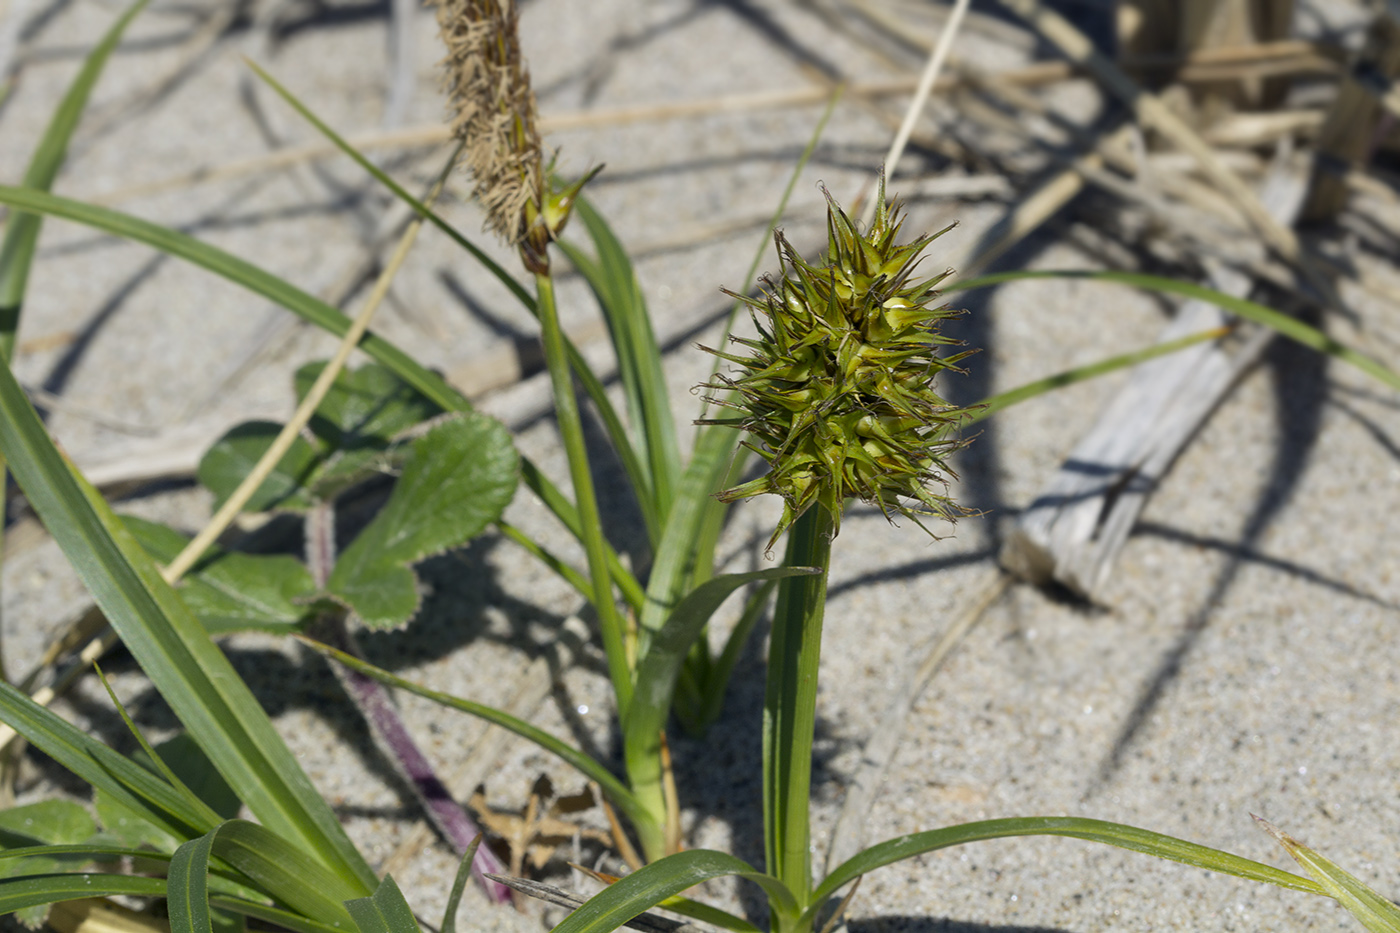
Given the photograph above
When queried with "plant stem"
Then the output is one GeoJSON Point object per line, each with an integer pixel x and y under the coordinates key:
{"type": "Point", "coordinates": [571, 430]}
{"type": "Point", "coordinates": [790, 707]}
{"type": "Point", "coordinates": [381, 715]}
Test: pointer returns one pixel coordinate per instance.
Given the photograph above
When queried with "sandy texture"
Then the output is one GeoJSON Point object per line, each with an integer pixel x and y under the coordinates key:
{"type": "Point", "coordinates": [1242, 659]}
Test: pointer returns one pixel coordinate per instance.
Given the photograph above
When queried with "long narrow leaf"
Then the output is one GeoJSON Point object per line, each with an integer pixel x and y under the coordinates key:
{"type": "Point", "coordinates": [660, 658]}
{"type": "Point", "coordinates": [995, 403]}
{"type": "Point", "coordinates": [1290, 327]}
{"type": "Point", "coordinates": [1376, 913]}
{"type": "Point", "coordinates": [195, 678]}
{"type": "Point", "coordinates": [306, 307]}
{"type": "Point", "coordinates": [187, 886]}
{"type": "Point", "coordinates": [287, 872]}
{"type": "Point", "coordinates": [638, 355]}
{"type": "Point", "coordinates": [31, 890]}
{"type": "Point", "coordinates": [103, 768]}
{"type": "Point", "coordinates": [591, 769]}
{"type": "Point", "coordinates": [22, 232]}
{"type": "Point", "coordinates": [651, 885]}
{"type": "Point", "coordinates": [385, 911]}
{"type": "Point", "coordinates": [273, 915]}
{"type": "Point", "coordinates": [1113, 834]}
{"type": "Point", "coordinates": [621, 439]}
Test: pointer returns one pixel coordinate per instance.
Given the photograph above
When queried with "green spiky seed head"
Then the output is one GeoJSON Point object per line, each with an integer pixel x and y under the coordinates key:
{"type": "Point", "coordinates": [836, 392]}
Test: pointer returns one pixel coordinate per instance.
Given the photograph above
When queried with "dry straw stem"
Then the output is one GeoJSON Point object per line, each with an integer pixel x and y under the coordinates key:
{"type": "Point", "coordinates": [1152, 112]}
{"type": "Point", "coordinates": [1265, 60]}
{"type": "Point", "coordinates": [937, 57]}
{"type": "Point", "coordinates": [489, 91]}
{"type": "Point", "coordinates": [264, 467]}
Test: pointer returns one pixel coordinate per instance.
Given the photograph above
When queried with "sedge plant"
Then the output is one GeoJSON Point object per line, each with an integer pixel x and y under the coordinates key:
{"type": "Point", "coordinates": [837, 398]}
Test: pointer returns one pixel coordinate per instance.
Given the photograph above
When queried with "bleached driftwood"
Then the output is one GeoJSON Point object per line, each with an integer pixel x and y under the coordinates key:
{"type": "Point", "coordinates": [1072, 532]}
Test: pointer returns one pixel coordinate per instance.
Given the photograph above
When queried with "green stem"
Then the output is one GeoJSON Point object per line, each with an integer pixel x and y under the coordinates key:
{"type": "Point", "coordinates": [790, 707]}
{"type": "Point", "coordinates": [591, 530]}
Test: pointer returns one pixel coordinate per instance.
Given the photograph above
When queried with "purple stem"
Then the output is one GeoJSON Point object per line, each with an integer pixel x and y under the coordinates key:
{"type": "Point", "coordinates": [374, 703]}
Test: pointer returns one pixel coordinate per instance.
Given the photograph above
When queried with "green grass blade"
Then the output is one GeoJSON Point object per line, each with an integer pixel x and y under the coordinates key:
{"type": "Point", "coordinates": [717, 684]}
{"type": "Point", "coordinates": [83, 852]}
{"type": "Point", "coordinates": [288, 872]}
{"type": "Point", "coordinates": [1290, 327]}
{"type": "Point", "coordinates": [190, 672]}
{"type": "Point", "coordinates": [196, 805]}
{"type": "Point", "coordinates": [423, 210]}
{"type": "Point", "coordinates": [617, 433]}
{"type": "Point", "coordinates": [459, 887]}
{"type": "Point", "coordinates": [590, 769]}
{"type": "Point", "coordinates": [282, 918]}
{"type": "Point", "coordinates": [650, 886]}
{"type": "Point", "coordinates": [1113, 834]}
{"type": "Point", "coordinates": [1376, 913]}
{"type": "Point", "coordinates": [686, 551]}
{"type": "Point", "coordinates": [995, 403]}
{"type": "Point", "coordinates": [305, 306]}
{"type": "Point", "coordinates": [385, 911]}
{"type": "Point", "coordinates": [614, 283]}
{"type": "Point", "coordinates": [100, 766]}
{"type": "Point", "coordinates": [660, 658]}
{"type": "Point", "coordinates": [187, 886]}
{"type": "Point", "coordinates": [676, 557]}
{"type": "Point", "coordinates": [32, 890]}
{"type": "Point", "coordinates": [707, 914]}
{"type": "Point", "coordinates": [22, 232]}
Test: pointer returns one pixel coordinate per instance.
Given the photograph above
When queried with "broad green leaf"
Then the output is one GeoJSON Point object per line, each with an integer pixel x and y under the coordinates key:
{"type": "Point", "coordinates": [172, 647]}
{"type": "Point", "coordinates": [651, 885]}
{"type": "Point", "coordinates": [132, 826]}
{"type": "Point", "coordinates": [1113, 834]}
{"type": "Point", "coordinates": [234, 455]}
{"type": "Point", "coordinates": [22, 230]}
{"type": "Point", "coordinates": [368, 406]}
{"type": "Point", "coordinates": [51, 822]}
{"type": "Point", "coordinates": [1290, 327]}
{"type": "Point", "coordinates": [357, 421]}
{"type": "Point", "coordinates": [456, 480]}
{"type": "Point", "coordinates": [233, 592]}
{"type": "Point", "coordinates": [187, 886]}
{"type": "Point", "coordinates": [1376, 913]}
{"type": "Point", "coordinates": [385, 911]}
{"type": "Point", "coordinates": [309, 308]}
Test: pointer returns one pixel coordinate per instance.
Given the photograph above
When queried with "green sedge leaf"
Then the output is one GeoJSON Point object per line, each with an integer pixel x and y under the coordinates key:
{"type": "Point", "coordinates": [385, 911]}
{"type": "Point", "coordinates": [1376, 913]}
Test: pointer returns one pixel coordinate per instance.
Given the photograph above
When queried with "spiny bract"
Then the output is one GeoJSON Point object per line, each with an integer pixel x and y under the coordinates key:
{"type": "Point", "coordinates": [837, 392]}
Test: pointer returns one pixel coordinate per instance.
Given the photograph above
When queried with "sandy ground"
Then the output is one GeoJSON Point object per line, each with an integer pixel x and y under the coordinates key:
{"type": "Point", "coordinates": [1241, 661]}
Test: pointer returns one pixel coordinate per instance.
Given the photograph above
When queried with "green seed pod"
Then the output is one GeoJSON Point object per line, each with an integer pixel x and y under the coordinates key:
{"type": "Point", "coordinates": [836, 392]}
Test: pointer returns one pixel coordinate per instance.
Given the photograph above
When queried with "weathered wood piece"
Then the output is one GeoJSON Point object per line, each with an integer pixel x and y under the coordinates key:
{"type": "Point", "coordinates": [1073, 531]}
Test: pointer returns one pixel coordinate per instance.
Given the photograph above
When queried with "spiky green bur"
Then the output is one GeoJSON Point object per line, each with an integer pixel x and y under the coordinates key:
{"type": "Point", "coordinates": [837, 391]}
